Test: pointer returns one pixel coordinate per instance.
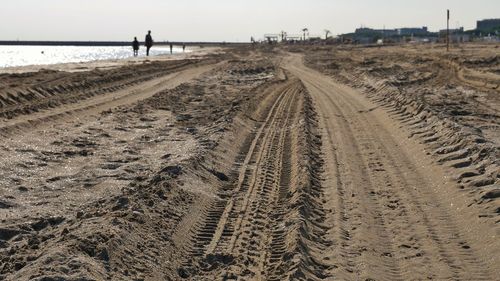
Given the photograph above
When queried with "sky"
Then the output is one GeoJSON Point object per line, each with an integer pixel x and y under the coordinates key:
{"type": "Point", "coordinates": [225, 20]}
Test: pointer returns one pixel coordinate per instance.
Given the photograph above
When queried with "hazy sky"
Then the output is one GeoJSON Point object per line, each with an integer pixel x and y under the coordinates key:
{"type": "Point", "coordinates": [224, 20]}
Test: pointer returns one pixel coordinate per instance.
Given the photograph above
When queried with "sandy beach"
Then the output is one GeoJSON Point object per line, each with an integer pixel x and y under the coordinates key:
{"type": "Point", "coordinates": [254, 163]}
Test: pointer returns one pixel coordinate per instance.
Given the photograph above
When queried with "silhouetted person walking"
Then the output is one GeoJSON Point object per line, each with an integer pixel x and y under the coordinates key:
{"type": "Point", "coordinates": [135, 46]}
{"type": "Point", "coordinates": [148, 42]}
{"type": "Point", "coordinates": [183, 48]}
{"type": "Point", "coordinates": [171, 47]}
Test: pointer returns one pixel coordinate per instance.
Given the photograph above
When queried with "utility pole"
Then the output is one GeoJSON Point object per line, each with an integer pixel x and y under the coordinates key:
{"type": "Point", "coordinates": [448, 30]}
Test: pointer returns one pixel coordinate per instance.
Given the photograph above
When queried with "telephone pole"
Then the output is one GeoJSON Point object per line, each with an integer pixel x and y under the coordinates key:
{"type": "Point", "coordinates": [448, 30]}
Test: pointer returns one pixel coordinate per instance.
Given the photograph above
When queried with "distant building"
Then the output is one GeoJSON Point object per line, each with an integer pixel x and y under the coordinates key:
{"type": "Point", "coordinates": [405, 31]}
{"type": "Point", "coordinates": [460, 38]}
{"type": "Point", "coordinates": [457, 35]}
{"type": "Point", "coordinates": [381, 32]}
{"type": "Point", "coordinates": [368, 35]}
{"type": "Point", "coordinates": [413, 31]}
{"type": "Point", "coordinates": [490, 38]}
{"type": "Point", "coordinates": [488, 24]}
{"type": "Point", "coordinates": [315, 38]}
{"type": "Point", "coordinates": [452, 31]}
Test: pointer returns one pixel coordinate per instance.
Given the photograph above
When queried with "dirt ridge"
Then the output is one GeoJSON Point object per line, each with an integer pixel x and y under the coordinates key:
{"type": "Point", "coordinates": [474, 159]}
{"type": "Point", "coordinates": [455, 135]}
{"type": "Point", "coordinates": [68, 89]}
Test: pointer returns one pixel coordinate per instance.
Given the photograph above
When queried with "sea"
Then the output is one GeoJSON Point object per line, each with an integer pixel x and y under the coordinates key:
{"type": "Point", "coordinates": [12, 56]}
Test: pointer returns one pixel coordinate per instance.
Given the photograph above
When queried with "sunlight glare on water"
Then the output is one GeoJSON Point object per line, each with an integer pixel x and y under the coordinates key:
{"type": "Point", "coordinates": [40, 55]}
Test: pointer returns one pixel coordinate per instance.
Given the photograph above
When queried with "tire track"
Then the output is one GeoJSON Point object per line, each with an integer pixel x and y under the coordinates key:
{"type": "Point", "coordinates": [101, 102]}
{"type": "Point", "coordinates": [269, 225]}
{"type": "Point", "coordinates": [425, 240]}
{"type": "Point", "coordinates": [210, 229]}
{"type": "Point", "coordinates": [213, 228]}
{"type": "Point", "coordinates": [463, 140]}
{"type": "Point", "coordinates": [70, 87]}
{"type": "Point", "coordinates": [364, 230]}
{"type": "Point", "coordinates": [243, 221]}
{"type": "Point", "coordinates": [267, 184]}
{"type": "Point", "coordinates": [450, 255]}
{"type": "Point", "coordinates": [298, 239]}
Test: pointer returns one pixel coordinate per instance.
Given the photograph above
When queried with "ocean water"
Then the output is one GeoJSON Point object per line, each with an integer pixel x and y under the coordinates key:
{"type": "Point", "coordinates": [41, 55]}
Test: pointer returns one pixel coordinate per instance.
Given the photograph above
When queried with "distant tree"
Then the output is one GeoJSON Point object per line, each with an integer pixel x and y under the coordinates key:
{"type": "Point", "coordinates": [327, 32]}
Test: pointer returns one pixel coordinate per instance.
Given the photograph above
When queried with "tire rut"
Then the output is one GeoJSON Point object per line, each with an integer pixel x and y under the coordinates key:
{"type": "Point", "coordinates": [269, 224]}
{"type": "Point", "coordinates": [450, 255]}
{"type": "Point", "coordinates": [64, 90]}
{"type": "Point", "coordinates": [105, 99]}
{"type": "Point", "coordinates": [364, 230]}
{"type": "Point", "coordinates": [397, 229]}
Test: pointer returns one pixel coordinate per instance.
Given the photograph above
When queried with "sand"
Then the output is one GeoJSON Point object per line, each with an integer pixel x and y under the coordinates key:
{"type": "Point", "coordinates": [254, 163]}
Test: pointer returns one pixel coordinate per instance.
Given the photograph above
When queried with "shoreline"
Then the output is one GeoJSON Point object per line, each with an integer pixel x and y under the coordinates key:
{"type": "Point", "coordinates": [193, 53]}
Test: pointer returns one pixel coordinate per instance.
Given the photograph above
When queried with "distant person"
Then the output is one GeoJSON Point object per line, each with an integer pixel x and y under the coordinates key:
{"type": "Point", "coordinates": [171, 48]}
{"type": "Point", "coordinates": [135, 46]}
{"type": "Point", "coordinates": [148, 42]}
{"type": "Point", "coordinates": [183, 47]}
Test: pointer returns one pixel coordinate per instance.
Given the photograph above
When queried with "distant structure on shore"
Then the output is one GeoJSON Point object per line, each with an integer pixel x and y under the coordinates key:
{"type": "Point", "coordinates": [413, 31]}
{"type": "Point", "coordinates": [486, 30]}
{"type": "Point", "coordinates": [488, 25]}
{"type": "Point", "coordinates": [405, 31]}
